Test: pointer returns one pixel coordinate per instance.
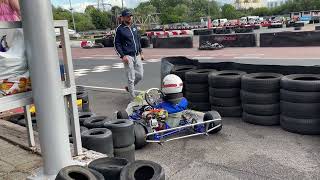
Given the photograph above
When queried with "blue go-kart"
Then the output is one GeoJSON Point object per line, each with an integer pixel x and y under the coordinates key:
{"type": "Point", "coordinates": [153, 125]}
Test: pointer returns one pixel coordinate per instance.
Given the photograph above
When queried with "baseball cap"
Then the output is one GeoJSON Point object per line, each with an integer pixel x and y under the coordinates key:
{"type": "Point", "coordinates": [126, 12]}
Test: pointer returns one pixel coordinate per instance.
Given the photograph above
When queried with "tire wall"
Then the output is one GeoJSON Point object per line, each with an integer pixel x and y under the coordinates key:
{"type": "Point", "coordinates": [290, 39]}
{"type": "Point", "coordinates": [231, 40]}
{"type": "Point", "coordinates": [173, 42]}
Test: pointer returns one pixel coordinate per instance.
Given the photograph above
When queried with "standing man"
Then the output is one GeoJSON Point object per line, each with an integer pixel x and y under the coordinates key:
{"type": "Point", "coordinates": [128, 47]}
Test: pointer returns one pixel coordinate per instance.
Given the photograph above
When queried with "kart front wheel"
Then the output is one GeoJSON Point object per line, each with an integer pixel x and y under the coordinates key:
{"type": "Point", "coordinates": [122, 115]}
{"type": "Point", "coordinates": [210, 115]}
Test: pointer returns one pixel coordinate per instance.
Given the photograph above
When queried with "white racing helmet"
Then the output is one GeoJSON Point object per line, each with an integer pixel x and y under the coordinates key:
{"type": "Point", "coordinates": [172, 84]}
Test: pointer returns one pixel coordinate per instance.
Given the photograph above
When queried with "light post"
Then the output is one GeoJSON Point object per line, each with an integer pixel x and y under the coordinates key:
{"type": "Point", "coordinates": [74, 24]}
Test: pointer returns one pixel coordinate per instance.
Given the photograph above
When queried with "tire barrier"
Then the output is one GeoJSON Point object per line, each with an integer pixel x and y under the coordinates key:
{"type": "Point", "coordinates": [145, 42]}
{"type": "Point", "coordinates": [122, 132]}
{"type": "Point", "coordinates": [108, 42]}
{"type": "Point", "coordinates": [173, 42]}
{"type": "Point", "coordinates": [83, 95]}
{"type": "Point", "coordinates": [243, 30]}
{"type": "Point", "coordinates": [260, 98]}
{"type": "Point", "coordinates": [298, 24]}
{"type": "Point", "coordinates": [77, 172]}
{"type": "Point", "coordinates": [290, 39]}
{"type": "Point", "coordinates": [230, 40]}
{"type": "Point", "coordinates": [225, 92]}
{"type": "Point", "coordinates": [84, 116]}
{"type": "Point", "coordinates": [223, 31]}
{"type": "Point", "coordinates": [96, 122]}
{"type": "Point", "coordinates": [317, 28]}
{"type": "Point", "coordinates": [300, 103]}
{"type": "Point", "coordinates": [203, 31]}
{"type": "Point", "coordinates": [126, 153]}
{"type": "Point", "coordinates": [275, 26]}
{"type": "Point", "coordinates": [196, 88]}
{"type": "Point", "coordinates": [99, 140]}
{"type": "Point", "coordinates": [297, 28]}
{"type": "Point", "coordinates": [109, 167]}
{"type": "Point", "coordinates": [142, 169]}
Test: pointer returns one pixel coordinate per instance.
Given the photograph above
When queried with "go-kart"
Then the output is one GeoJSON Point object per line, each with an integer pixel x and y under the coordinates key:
{"type": "Point", "coordinates": [154, 125]}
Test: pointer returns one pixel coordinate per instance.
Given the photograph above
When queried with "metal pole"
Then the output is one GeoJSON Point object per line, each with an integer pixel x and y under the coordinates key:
{"type": "Point", "coordinates": [42, 54]}
{"type": "Point", "coordinates": [74, 24]}
{"type": "Point", "coordinates": [122, 5]}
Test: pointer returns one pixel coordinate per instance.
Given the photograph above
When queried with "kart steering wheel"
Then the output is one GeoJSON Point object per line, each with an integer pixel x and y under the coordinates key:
{"type": "Point", "coordinates": [154, 96]}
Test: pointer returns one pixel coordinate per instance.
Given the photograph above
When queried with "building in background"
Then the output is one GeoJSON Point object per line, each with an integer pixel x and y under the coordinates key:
{"type": "Point", "coordinates": [275, 3]}
{"type": "Point", "coordinates": [246, 4]}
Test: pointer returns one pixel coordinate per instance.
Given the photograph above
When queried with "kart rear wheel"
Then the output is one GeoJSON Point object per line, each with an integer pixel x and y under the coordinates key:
{"type": "Point", "coordinates": [210, 115]}
{"type": "Point", "coordinates": [140, 136]}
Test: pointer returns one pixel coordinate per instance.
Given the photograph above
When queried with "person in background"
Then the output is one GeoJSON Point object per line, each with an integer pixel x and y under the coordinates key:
{"type": "Point", "coordinates": [128, 47]}
{"type": "Point", "coordinates": [9, 10]}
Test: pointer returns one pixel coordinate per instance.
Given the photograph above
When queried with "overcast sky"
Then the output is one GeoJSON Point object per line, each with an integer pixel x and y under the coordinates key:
{"type": "Point", "coordinates": [80, 5]}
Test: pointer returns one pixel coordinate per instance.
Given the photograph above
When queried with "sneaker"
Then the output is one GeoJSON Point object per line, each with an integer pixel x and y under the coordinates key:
{"type": "Point", "coordinates": [126, 88]}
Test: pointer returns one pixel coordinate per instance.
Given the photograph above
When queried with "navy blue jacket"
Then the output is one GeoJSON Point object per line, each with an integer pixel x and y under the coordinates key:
{"type": "Point", "coordinates": [127, 40]}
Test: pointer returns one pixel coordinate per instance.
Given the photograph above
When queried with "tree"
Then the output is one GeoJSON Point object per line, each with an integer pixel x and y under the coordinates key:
{"type": "Point", "coordinates": [229, 12]}
{"type": "Point", "coordinates": [101, 20]}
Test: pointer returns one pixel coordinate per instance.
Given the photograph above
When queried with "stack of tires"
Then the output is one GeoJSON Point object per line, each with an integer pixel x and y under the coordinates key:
{"type": "Point", "coordinates": [197, 89]}
{"type": "Point", "coordinates": [113, 169]}
{"type": "Point", "coordinates": [123, 138]}
{"type": "Point", "coordinates": [97, 137]}
{"type": "Point", "coordinates": [300, 103]}
{"type": "Point", "coordinates": [83, 95]}
{"type": "Point", "coordinates": [225, 92]}
{"type": "Point", "coordinates": [145, 43]}
{"type": "Point", "coordinates": [181, 70]}
{"type": "Point", "coordinates": [260, 98]}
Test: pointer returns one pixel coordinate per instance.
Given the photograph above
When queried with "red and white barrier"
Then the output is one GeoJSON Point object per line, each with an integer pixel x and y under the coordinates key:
{"type": "Point", "coordinates": [169, 33]}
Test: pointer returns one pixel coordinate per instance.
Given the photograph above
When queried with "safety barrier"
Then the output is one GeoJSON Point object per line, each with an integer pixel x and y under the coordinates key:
{"type": "Point", "coordinates": [231, 40]}
{"type": "Point", "coordinates": [173, 42]}
{"type": "Point", "coordinates": [290, 39]}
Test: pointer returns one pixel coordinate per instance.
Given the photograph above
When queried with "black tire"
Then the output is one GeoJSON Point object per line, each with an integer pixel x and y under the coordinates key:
{"type": "Point", "coordinates": [259, 98]}
{"type": "Point", "coordinates": [23, 122]}
{"type": "Point", "coordinates": [182, 70]}
{"type": "Point", "coordinates": [98, 175]}
{"type": "Point", "coordinates": [75, 172]}
{"type": "Point", "coordinates": [261, 82]}
{"type": "Point", "coordinates": [225, 79]}
{"type": "Point", "coordinates": [14, 119]}
{"type": "Point", "coordinates": [122, 132]}
{"type": "Point", "coordinates": [83, 95]}
{"type": "Point", "coordinates": [197, 97]}
{"type": "Point", "coordinates": [300, 110]}
{"type": "Point", "coordinates": [126, 153]}
{"type": "Point", "coordinates": [261, 120]}
{"type": "Point", "coordinates": [84, 116]}
{"type": "Point", "coordinates": [82, 129]}
{"type": "Point", "coordinates": [235, 111]}
{"type": "Point", "coordinates": [145, 43]}
{"type": "Point", "coordinates": [198, 76]}
{"type": "Point", "coordinates": [224, 93]}
{"type": "Point", "coordinates": [80, 89]}
{"type": "Point", "coordinates": [96, 122]}
{"type": "Point", "coordinates": [99, 140]}
{"type": "Point", "coordinates": [122, 115]}
{"type": "Point", "coordinates": [210, 115]}
{"type": "Point", "coordinates": [199, 106]}
{"type": "Point", "coordinates": [301, 126]}
{"type": "Point", "coordinates": [196, 88]}
{"type": "Point", "coordinates": [110, 168]}
{"type": "Point", "coordinates": [140, 136]}
{"type": "Point", "coordinates": [225, 102]}
{"type": "Point", "coordinates": [141, 170]}
{"type": "Point", "coordinates": [262, 109]}
{"type": "Point", "coordinates": [86, 107]}
{"type": "Point", "coordinates": [299, 97]}
{"type": "Point", "coordinates": [301, 82]}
